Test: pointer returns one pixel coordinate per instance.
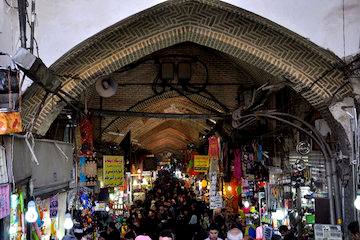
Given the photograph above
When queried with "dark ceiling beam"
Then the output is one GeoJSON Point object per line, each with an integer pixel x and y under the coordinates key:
{"type": "Point", "coordinates": [177, 84]}
{"type": "Point", "coordinates": [113, 113]}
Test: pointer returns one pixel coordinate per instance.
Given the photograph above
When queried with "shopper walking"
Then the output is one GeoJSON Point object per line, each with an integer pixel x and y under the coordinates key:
{"type": "Point", "coordinates": [213, 233]}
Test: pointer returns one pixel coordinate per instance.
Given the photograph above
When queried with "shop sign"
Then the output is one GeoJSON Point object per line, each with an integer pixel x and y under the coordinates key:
{"type": "Point", "coordinates": [4, 200]}
{"type": "Point", "coordinates": [201, 163]}
{"type": "Point", "coordinates": [213, 179]}
{"type": "Point", "coordinates": [100, 206]}
{"type": "Point", "coordinates": [113, 170]}
{"type": "Point", "coordinates": [216, 202]}
{"type": "Point", "coordinates": [214, 198]}
{"type": "Point", "coordinates": [327, 232]}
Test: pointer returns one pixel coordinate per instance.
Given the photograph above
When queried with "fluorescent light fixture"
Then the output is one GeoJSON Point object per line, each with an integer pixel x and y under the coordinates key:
{"type": "Point", "coordinates": [116, 133]}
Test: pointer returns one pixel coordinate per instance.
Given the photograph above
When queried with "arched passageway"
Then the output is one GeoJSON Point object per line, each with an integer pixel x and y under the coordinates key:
{"type": "Point", "coordinates": [240, 50]}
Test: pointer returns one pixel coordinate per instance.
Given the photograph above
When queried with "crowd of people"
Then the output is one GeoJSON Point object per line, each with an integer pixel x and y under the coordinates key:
{"type": "Point", "coordinates": [172, 211]}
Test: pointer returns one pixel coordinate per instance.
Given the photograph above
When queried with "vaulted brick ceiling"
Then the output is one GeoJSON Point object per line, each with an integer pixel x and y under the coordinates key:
{"type": "Point", "coordinates": [237, 45]}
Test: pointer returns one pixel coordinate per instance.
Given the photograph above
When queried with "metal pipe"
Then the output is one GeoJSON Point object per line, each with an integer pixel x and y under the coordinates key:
{"type": "Point", "coordinates": [32, 26]}
{"type": "Point", "coordinates": [330, 190]}
{"type": "Point", "coordinates": [100, 121]}
{"type": "Point", "coordinates": [342, 201]}
{"type": "Point", "coordinates": [22, 21]}
{"type": "Point", "coordinates": [355, 159]}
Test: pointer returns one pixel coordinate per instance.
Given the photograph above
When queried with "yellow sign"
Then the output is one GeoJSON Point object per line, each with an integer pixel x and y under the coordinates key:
{"type": "Point", "coordinates": [113, 170]}
{"type": "Point", "coordinates": [201, 163]}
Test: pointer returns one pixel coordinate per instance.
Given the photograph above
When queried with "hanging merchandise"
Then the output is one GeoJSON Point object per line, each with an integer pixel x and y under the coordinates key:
{"type": "Point", "coordinates": [14, 219]}
{"type": "Point", "coordinates": [87, 171]}
{"type": "Point", "coordinates": [247, 188]}
{"type": "Point", "coordinates": [54, 206]}
{"type": "Point", "coordinates": [10, 122]}
{"type": "Point", "coordinates": [248, 161]}
{"type": "Point", "coordinates": [214, 153]}
{"type": "Point", "coordinates": [261, 172]}
{"type": "Point", "coordinates": [237, 164]}
{"type": "Point", "coordinates": [86, 133]}
{"type": "Point", "coordinates": [259, 153]}
{"type": "Point", "coordinates": [85, 202]}
{"type": "Point", "coordinates": [214, 147]}
{"type": "Point", "coordinates": [44, 218]}
{"type": "Point", "coordinates": [21, 213]}
{"type": "Point", "coordinates": [226, 162]}
{"type": "Point", "coordinates": [4, 200]}
{"type": "Point", "coordinates": [91, 172]}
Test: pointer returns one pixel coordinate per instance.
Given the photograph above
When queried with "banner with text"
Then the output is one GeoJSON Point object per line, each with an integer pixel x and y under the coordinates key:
{"type": "Point", "coordinates": [201, 163]}
{"type": "Point", "coordinates": [113, 170]}
{"type": "Point", "coordinates": [215, 199]}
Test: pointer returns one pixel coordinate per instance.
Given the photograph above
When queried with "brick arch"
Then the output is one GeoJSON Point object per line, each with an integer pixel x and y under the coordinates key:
{"type": "Point", "coordinates": [214, 24]}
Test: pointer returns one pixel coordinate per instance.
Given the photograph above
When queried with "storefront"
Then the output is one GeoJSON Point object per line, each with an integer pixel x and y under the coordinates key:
{"type": "Point", "coordinates": [41, 185]}
{"type": "Point", "coordinates": [140, 183]}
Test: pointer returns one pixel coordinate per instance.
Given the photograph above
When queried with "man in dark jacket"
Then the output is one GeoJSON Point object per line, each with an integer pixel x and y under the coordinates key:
{"type": "Point", "coordinates": [286, 233]}
{"type": "Point", "coordinates": [112, 232]}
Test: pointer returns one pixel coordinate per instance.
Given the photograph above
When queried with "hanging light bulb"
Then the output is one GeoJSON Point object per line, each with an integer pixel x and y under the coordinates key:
{"type": "Point", "coordinates": [246, 204]}
{"type": "Point", "coordinates": [31, 214]}
{"type": "Point", "coordinates": [357, 202]}
{"type": "Point", "coordinates": [229, 188]}
{"type": "Point", "coordinates": [68, 223]}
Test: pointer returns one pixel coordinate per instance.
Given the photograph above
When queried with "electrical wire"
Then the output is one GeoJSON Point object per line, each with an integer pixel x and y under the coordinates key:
{"type": "Point", "coordinates": [336, 91]}
{"type": "Point", "coordinates": [343, 27]}
{"type": "Point", "coordinates": [194, 102]}
{"type": "Point", "coordinates": [305, 89]}
{"type": "Point", "coordinates": [130, 108]}
{"type": "Point", "coordinates": [10, 5]}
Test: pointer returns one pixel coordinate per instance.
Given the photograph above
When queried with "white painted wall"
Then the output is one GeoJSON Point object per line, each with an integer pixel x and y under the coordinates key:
{"type": "Point", "coordinates": [9, 28]}
{"type": "Point", "coordinates": [321, 21]}
{"type": "Point", "coordinates": [62, 24]}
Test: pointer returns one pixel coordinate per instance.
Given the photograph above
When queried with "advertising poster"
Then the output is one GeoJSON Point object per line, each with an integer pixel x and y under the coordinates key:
{"type": "Point", "coordinates": [113, 170]}
{"type": "Point", "coordinates": [201, 163]}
